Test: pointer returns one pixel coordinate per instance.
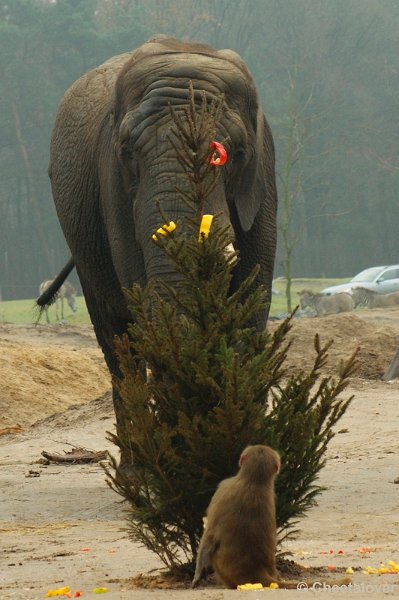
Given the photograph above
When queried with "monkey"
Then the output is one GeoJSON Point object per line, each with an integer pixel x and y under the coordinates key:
{"type": "Point", "coordinates": [240, 537]}
{"type": "Point", "coordinates": [240, 533]}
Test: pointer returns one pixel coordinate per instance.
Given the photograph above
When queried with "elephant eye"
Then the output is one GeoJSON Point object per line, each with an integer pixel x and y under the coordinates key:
{"type": "Point", "coordinates": [239, 155]}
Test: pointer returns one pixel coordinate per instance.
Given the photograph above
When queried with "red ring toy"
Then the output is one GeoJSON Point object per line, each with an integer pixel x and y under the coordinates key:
{"type": "Point", "coordinates": [219, 155]}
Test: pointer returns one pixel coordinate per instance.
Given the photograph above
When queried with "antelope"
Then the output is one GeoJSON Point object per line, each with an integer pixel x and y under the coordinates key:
{"type": "Point", "coordinates": [66, 291]}
{"type": "Point", "coordinates": [326, 305]}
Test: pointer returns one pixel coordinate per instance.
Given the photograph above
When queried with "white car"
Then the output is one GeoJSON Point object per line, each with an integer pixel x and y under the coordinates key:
{"type": "Point", "coordinates": [378, 279]}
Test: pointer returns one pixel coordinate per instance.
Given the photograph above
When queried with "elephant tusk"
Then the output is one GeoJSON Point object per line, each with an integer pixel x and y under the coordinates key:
{"type": "Point", "coordinates": [164, 230]}
{"type": "Point", "coordinates": [230, 254]}
{"type": "Point", "coordinates": [219, 156]}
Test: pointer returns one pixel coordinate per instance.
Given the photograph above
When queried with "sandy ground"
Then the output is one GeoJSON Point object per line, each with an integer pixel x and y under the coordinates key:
{"type": "Point", "coordinates": [61, 525]}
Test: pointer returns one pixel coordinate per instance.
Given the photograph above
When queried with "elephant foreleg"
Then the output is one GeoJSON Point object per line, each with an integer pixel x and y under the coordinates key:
{"type": "Point", "coordinates": [107, 325]}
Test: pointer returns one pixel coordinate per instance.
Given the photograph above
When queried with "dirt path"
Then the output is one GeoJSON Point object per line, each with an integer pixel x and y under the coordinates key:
{"type": "Point", "coordinates": [61, 525]}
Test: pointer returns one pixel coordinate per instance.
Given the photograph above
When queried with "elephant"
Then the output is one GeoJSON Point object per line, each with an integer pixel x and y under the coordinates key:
{"type": "Point", "coordinates": [111, 160]}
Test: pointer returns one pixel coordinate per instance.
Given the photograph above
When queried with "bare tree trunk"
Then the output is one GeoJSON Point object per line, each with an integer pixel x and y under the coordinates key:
{"type": "Point", "coordinates": [31, 187]}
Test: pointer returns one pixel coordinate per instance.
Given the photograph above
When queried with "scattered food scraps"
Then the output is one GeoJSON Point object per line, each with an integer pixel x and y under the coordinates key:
{"type": "Point", "coordinates": [392, 569]}
{"type": "Point", "coordinates": [370, 571]}
{"type": "Point", "coordinates": [245, 587]}
{"type": "Point", "coordinates": [250, 586]}
{"type": "Point", "coordinates": [364, 550]}
{"type": "Point", "coordinates": [64, 591]}
{"type": "Point", "coordinates": [100, 590]}
{"type": "Point", "coordinates": [394, 565]}
{"type": "Point", "coordinates": [58, 592]}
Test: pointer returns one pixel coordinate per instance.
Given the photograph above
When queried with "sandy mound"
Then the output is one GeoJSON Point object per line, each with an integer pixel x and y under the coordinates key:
{"type": "Point", "coordinates": [38, 380]}
{"type": "Point", "coordinates": [46, 369]}
{"type": "Point", "coordinates": [375, 333]}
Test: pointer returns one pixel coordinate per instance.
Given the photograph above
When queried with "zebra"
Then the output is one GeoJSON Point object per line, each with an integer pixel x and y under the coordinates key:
{"type": "Point", "coordinates": [66, 291]}
{"type": "Point", "coordinates": [371, 299]}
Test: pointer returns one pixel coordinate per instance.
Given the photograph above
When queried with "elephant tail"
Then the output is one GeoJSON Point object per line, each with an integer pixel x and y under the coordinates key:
{"type": "Point", "coordinates": [49, 296]}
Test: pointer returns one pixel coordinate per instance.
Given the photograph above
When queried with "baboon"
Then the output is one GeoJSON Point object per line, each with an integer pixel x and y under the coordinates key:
{"type": "Point", "coordinates": [240, 536]}
{"type": "Point", "coordinates": [239, 540]}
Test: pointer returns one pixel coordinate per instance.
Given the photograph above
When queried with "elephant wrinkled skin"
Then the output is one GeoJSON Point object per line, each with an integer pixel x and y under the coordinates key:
{"type": "Point", "coordinates": [111, 161]}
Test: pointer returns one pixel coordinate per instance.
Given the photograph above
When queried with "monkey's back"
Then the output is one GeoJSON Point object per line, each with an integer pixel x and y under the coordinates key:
{"type": "Point", "coordinates": [242, 518]}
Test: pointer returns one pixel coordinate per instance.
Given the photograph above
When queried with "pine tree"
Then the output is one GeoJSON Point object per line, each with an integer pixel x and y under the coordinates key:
{"type": "Point", "coordinates": [199, 383]}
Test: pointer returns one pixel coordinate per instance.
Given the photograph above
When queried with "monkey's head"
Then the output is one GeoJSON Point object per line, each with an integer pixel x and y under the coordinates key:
{"type": "Point", "coordinates": [259, 463]}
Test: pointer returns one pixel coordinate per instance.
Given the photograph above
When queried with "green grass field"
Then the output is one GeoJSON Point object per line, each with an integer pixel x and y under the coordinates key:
{"type": "Point", "coordinates": [25, 312]}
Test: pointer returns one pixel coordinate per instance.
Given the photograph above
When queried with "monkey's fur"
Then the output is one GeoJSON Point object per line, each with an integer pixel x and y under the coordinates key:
{"type": "Point", "coordinates": [239, 541]}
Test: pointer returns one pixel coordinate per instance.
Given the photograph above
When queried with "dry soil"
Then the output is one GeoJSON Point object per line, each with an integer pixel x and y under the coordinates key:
{"type": "Point", "coordinates": [61, 525]}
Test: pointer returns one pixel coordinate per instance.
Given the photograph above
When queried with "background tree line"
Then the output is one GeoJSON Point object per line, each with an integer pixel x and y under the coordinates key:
{"type": "Point", "coordinates": [328, 76]}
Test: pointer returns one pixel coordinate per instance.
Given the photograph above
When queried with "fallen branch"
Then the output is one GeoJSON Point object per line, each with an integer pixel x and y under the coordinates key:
{"type": "Point", "coordinates": [76, 456]}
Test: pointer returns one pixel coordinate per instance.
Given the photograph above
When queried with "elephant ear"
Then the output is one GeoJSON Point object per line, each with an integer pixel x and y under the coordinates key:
{"type": "Point", "coordinates": [251, 190]}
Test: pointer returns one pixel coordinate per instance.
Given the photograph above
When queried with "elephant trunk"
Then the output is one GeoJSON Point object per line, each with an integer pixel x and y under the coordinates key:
{"type": "Point", "coordinates": [163, 199]}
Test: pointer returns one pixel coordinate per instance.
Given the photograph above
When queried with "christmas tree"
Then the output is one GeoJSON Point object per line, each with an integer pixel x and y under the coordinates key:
{"type": "Point", "coordinates": [199, 383]}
